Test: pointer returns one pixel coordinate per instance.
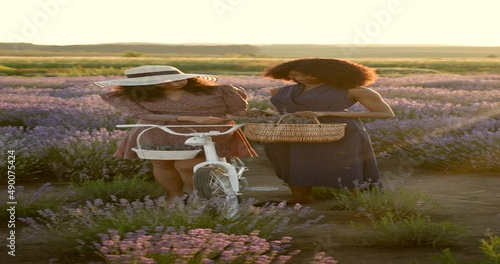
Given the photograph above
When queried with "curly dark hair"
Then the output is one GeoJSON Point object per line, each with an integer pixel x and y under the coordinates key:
{"type": "Point", "coordinates": [152, 92]}
{"type": "Point", "coordinates": [338, 73]}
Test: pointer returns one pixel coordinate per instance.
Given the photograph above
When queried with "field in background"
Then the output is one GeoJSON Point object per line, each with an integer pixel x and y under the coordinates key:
{"type": "Point", "coordinates": [25, 59]}
{"type": "Point", "coordinates": [379, 51]}
{"type": "Point", "coordinates": [114, 65]}
{"type": "Point", "coordinates": [343, 51]}
{"type": "Point", "coordinates": [61, 126]}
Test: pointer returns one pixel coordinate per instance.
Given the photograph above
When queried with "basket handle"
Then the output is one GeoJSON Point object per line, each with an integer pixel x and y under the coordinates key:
{"type": "Point", "coordinates": [281, 118]}
{"type": "Point", "coordinates": [140, 134]}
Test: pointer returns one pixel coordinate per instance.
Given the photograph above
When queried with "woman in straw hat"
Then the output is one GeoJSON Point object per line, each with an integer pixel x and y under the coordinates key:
{"type": "Point", "coordinates": [324, 89]}
{"type": "Point", "coordinates": [163, 95]}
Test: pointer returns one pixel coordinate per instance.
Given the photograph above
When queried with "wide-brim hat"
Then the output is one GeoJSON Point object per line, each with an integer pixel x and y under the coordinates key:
{"type": "Point", "coordinates": [153, 74]}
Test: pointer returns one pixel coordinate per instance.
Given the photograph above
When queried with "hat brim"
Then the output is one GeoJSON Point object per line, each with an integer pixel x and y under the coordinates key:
{"type": "Point", "coordinates": [151, 80]}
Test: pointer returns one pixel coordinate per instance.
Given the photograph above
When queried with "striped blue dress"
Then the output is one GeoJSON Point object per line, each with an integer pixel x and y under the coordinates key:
{"type": "Point", "coordinates": [341, 164]}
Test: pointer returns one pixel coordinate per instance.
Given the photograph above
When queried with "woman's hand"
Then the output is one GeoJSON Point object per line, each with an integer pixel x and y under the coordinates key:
{"type": "Point", "coordinates": [249, 113]}
{"type": "Point", "coordinates": [256, 113]}
{"type": "Point", "coordinates": [206, 120]}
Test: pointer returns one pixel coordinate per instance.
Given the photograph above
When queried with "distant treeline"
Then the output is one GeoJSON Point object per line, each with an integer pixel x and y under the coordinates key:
{"type": "Point", "coordinates": [134, 48]}
{"type": "Point", "coordinates": [380, 51]}
{"type": "Point", "coordinates": [279, 50]}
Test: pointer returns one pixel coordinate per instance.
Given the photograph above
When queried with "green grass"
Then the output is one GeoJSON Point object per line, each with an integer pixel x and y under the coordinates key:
{"type": "Point", "coordinates": [68, 227]}
{"type": "Point", "coordinates": [375, 203]}
{"type": "Point", "coordinates": [490, 249]}
{"type": "Point", "coordinates": [399, 218]}
{"type": "Point", "coordinates": [412, 231]}
{"type": "Point", "coordinates": [93, 66]}
{"type": "Point", "coordinates": [63, 217]}
{"type": "Point", "coordinates": [53, 197]}
{"type": "Point", "coordinates": [428, 65]}
{"type": "Point", "coordinates": [130, 188]}
{"type": "Point", "coordinates": [379, 51]}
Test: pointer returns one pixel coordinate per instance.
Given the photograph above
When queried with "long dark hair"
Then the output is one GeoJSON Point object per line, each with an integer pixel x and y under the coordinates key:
{"type": "Point", "coordinates": [153, 92]}
{"type": "Point", "coordinates": [338, 73]}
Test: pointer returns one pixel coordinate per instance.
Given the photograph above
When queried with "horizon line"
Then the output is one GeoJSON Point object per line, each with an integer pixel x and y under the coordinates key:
{"type": "Point", "coordinates": [253, 44]}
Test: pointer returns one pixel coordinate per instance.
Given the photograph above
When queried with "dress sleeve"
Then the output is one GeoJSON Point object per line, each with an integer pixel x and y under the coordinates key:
{"type": "Point", "coordinates": [134, 109]}
{"type": "Point", "coordinates": [235, 98]}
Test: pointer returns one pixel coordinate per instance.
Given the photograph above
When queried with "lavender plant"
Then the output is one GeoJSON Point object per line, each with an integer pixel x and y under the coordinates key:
{"type": "Point", "coordinates": [119, 187]}
{"type": "Point", "coordinates": [372, 202]}
{"type": "Point", "coordinates": [30, 202]}
{"type": "Point", "coordinates": [54, 197]}
{"type": "Point", "coordinates": [200, 245]}
{"type": "Point", "coordinates": [443, 122]}
{"type": "Point", "coordinates": [412, 231]}
{"type": "Point", "coordinates": [29, 146]}
{"type": "Point", "coordinates": [399, 218]}
{"type": "Point", "coordinates": [30, 108]}
{"type": "Point", "coordinates": [73, 227]}
{"type": "Point", "coordinates": [83, 156]}
{"type": "Point", "coordinates": [68, 153]}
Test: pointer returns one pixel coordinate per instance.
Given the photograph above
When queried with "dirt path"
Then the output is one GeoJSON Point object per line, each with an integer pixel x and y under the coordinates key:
{"type": "Point", "coordinates": [466, 199]}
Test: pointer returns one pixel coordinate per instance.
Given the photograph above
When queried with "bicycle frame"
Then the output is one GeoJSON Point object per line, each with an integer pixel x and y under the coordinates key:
{"type": "Point", "coordinates": [204, 139]}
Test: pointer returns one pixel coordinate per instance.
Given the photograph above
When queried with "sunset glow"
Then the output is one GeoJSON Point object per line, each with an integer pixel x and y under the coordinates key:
{"type": "Point", "coordinates": [62, 22]}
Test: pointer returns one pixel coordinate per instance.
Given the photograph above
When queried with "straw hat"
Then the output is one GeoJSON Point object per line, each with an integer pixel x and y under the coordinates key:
{"type": "Point", "coordinates": [153, 74]}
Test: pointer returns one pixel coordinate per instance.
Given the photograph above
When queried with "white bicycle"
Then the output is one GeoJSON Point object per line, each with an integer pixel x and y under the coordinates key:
{"type": "Point", "coordinates": [215, 178]}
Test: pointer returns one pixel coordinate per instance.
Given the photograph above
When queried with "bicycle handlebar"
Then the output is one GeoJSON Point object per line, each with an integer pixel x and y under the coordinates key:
{"type": "Point", "coordinates": [166, 129]}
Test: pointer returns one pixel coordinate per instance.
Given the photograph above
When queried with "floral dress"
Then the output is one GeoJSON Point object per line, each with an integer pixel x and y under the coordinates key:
{"type": "Point", "coordinates": [223, 100]}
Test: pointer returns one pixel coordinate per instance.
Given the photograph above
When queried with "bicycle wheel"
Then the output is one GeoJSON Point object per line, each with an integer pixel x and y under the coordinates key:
{"type": "Point", "coordinates": [213, 184]}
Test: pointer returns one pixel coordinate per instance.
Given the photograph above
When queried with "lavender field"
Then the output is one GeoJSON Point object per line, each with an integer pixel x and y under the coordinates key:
{"type": "Point", "coordinates": [59, 126]}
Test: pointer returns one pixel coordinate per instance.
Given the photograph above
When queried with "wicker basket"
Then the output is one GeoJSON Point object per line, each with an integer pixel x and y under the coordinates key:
{"type": "Point", "coordinates": [298, 133]}
{"type": "Point", "coordinates": [163, 154]}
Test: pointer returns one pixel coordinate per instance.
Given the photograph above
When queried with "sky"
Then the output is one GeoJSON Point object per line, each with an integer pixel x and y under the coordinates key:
{"type": "Point", "coordinates": [433, 22]}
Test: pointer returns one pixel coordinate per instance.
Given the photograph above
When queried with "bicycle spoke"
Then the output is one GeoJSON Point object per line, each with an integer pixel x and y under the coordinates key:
{"type": "Point", "coordinates": [212, 183]}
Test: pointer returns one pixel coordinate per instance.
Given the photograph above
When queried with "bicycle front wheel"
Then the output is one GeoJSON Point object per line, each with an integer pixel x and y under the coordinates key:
{"type": "Point", "coordinates": [213, 184]}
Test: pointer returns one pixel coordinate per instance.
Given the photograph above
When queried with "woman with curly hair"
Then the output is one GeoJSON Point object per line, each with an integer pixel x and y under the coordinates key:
{"type": "Point", "coordinates": [163, 95]}
{"type": "Point", "coordinates": [325, 89]}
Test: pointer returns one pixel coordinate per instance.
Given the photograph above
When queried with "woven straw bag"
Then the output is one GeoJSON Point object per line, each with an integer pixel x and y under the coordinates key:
{"type": "Point", "coordinates": [298, 133]}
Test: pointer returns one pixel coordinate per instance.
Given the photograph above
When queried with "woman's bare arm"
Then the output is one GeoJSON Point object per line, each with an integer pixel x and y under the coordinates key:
{"type": "Point", "coordinates": [371, 100]}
